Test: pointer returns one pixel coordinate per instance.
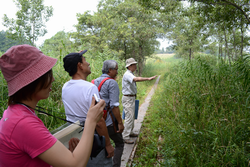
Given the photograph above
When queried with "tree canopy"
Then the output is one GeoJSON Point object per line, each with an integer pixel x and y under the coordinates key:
{"type": "Point", "coordinates": [218, 25]}
{"type": "Point", "coordinates": [30, 22]}
{"type": "Point", "coordinates": [130, 28]}
{"type": "Point", "coordinates": [122, 26]}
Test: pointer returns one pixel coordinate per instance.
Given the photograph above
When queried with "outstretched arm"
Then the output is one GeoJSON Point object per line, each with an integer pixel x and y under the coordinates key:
{"type": "Point", "coordinates": [139, 79]}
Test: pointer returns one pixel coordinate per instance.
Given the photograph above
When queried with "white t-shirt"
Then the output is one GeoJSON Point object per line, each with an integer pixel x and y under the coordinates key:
{"type": "Point", "coordinates": [128, 85]}
{"type": "Point", "coordinates": [77, 97]}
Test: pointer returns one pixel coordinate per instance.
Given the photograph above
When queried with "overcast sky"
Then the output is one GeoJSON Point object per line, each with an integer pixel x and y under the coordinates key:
{"type": "Point", "coordinates": [64, 15]}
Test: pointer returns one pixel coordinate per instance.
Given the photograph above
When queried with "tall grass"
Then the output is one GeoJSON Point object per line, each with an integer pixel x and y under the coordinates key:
{"type": "Point", "coordinates": [157, 65]}
{"type": "Point", "coordinates": [3, 94]}
{"type": "Point", "coordinates": [201, 109]}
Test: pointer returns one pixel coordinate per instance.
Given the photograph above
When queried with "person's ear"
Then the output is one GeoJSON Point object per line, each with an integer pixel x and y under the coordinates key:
{"type": "Point", "coordinates": [79, 65]}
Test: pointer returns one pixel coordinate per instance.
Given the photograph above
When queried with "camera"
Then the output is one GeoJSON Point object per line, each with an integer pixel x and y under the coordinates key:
{"type": "Point", "coordinates": [96, 98]}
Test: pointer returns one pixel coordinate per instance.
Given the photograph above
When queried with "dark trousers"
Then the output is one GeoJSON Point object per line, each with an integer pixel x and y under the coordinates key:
{"type": "Point", "coordinates": [119, 145]}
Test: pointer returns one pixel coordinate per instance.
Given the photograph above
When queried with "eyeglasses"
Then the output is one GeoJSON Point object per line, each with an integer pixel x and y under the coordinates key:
{"type": "Point", "coordinates": [115, 69]}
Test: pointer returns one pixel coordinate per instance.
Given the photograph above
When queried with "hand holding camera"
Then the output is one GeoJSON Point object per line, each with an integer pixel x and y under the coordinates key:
{"type": "Point", "coordinates": [96, 109]}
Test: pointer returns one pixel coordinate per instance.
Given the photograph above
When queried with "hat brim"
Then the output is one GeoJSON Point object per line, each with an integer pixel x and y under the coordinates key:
{"type": "Point", "coordinates": [34, 72]}
{"type": "Point", "coordinates": [130, 64]}
{"type": "Point", "coordinates": [83, 52]}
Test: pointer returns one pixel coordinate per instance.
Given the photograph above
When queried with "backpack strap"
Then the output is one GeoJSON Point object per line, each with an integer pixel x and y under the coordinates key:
{"type": "Point", "coordinates": [99, 88]}
{"type": "Point", "coordinates": [100, 85]}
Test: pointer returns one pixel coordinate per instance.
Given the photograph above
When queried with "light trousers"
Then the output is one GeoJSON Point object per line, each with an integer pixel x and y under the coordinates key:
{"type": "Point", "coordinates": [129, 109]}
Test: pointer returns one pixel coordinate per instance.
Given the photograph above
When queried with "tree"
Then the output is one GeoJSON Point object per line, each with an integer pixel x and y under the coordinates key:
{"type": "Point", "coordinates": [242, 6]}
{"type": "Point", "coordinates": [230, 17]}
{"type": "Point", "coordinates": [30, 22]}
{"type": "Point", "coordinates": [121, 26]}
{"type": "Point", "coordinates": [188, 32]}
{"type": "Point", "coordinates": [225, 23]}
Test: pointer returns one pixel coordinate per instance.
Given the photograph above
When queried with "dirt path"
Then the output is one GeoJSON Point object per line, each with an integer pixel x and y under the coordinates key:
{"type": "Point", "coordinates": [129, 149]}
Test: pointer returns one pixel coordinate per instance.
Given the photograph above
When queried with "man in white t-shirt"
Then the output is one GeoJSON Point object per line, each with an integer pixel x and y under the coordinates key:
{"type": "Point", "coordinates": [77, 96]}
{"type": "Point", "coordinates": [129, 91]}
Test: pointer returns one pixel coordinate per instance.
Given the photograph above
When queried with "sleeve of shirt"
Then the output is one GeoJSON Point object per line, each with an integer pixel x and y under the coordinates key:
{"type": "Point", "coordinates": [114, 93]}
{"type": "Point", "coordinates": [32, 136]}
{"type": "Point", "coordinates": [130, 77]}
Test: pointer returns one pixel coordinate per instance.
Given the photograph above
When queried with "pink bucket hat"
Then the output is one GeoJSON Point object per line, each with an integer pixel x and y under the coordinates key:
{"type": "Point", "coordinates": [23, 64]}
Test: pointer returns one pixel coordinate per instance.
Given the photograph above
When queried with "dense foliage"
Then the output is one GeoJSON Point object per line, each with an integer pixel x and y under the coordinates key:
{"type": "Point", "coordinates": [217, 26]}
{"type": "Point", "coordinates": [123, 27]}
{"type": "Point", "coordinates": [201, 115]}
{"type": "Point", "coordinates": [59, 44]}
{"type": "Point", "coordinates": [131, 28]}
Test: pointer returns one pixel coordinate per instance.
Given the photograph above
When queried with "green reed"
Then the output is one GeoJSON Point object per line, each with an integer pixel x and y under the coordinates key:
{"type": "Point", "coordinates": [201, 109]}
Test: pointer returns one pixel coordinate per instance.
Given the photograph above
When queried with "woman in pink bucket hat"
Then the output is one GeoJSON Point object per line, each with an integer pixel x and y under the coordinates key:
{"type": "Point", "coordinates": [25, 141]}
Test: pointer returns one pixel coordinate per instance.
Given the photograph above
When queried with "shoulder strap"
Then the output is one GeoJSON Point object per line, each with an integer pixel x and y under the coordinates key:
{"type": "Point", "coordinates": [93, 81]}
{"type": "Point", "coordinates": [105, 79]}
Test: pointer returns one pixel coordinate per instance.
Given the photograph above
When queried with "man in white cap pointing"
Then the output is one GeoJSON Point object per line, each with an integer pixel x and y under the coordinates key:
{"type": "Point", "coordinates": [129, 91]}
